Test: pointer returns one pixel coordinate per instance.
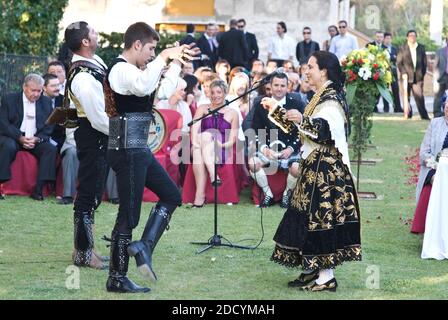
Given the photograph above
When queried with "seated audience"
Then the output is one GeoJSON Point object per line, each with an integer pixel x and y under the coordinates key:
{"type": "Point", "coordinates": [22, 127]}
{"type": "Point", "coordinates": [203, 140]}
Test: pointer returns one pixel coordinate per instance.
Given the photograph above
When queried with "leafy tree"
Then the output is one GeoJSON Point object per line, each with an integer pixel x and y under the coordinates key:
{"type": "Point", "coordinates": [30, 27]}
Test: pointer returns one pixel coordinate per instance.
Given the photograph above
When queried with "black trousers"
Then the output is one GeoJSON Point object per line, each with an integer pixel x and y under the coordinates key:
{"type": "Point", "coordinates": [417, 91]}
{"type": "Point", "coordinates": [395, 95]}
{"type": "Point", "coordinates": [91, 146]}
{"type": "Point", "coordinates": [135, 169]}
{"type": "Point", "coordinates": [438, 108]}
{"type": "Point", "coordinates": [45, 153]}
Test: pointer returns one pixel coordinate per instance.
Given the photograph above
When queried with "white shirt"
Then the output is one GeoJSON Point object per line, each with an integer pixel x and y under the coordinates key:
{"type": "Point", "coordinates": [413, 49]}
{"type": "Point", "coordinates": [127, 79]}
{"type": "Point", "coordinates": [182, 108]}
{"type": "Point", "coordinates": [29, 117]}
{"type": "Point", "coordinates": [89, 92]}
{"type": "Point", "coordinates": [282, 48]}
{"type": "Point", "coordinates": [62, 88]}
{"type": "Point", "coordinates": [341, 46]}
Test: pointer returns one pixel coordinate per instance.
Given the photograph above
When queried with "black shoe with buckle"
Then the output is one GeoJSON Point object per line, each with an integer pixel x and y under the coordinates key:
{"type": "Point", "coordinates": [285, 199]}
{"type": "Point", "coordinates": [267, 201]}
{"type": "Point", "coordinates": [304, 279]}
{"type": "Point", "coordinates": [330, 285]}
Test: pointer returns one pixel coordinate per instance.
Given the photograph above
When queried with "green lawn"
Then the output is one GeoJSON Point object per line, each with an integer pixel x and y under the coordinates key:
{"type": "Point", "coordinates": [36, 244]}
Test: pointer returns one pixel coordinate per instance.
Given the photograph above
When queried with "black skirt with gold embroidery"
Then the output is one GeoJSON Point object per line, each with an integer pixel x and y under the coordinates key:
{"type": "Point", "coordinates": [321, 228]}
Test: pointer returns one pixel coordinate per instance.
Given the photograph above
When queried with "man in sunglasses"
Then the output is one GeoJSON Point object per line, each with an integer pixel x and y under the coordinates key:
{"type": "Point", "coordinates": [344, 43]}
{"type": "Point", "coordinates": [306, 47]}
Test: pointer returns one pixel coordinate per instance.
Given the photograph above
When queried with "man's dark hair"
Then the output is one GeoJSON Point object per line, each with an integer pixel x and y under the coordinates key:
{"type": "Point", "coordinates": [233, 23]}
{"type": "Point", "coordinates": [190, 28]}
{"type": "Point", "coordinates": [56, 63]}
{"type": "Point", "coordinates": [307, 28]}
{"type": "Point", "coordinates": [411, 31]}
{"type": "Point", "coordinates": [280, 75]}
{"type": "Point", "coordinates": [343, 21]}
{"type": "Point", "coordinates": [387, 34]}
{"type": "Point", "coordinates": [139, 31]}
{"type": "Point", "coordinates": [283, 25]}
{"type": "Point", "coordinates": [47, 77]}
{"type": "Point", "coordinates": [242, 20]}
{"type": "Point", "coordinates": [75, 33]}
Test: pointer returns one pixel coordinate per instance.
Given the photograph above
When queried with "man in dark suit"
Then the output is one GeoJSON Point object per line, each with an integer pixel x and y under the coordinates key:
{"type": "Point", "coordinates": [251, 41]}
{"type": "Point", "coordinates": [22, 127]}
{"type": "Point", "coordinates": [189, 38]}
{"type": "Point", "coordinates": [208, 45]}
{"type": "Point", "coordinates": [274, 146]}
{"type": "Point", "coordinates": [393, 52]}
{"type": "Point", "coordinates": [411, 61]}
{"type": "Point", "coordinates": [441, 75]}
{"type": "Point", "coordinates": [233, 46]}
{"type": "Point", "coordinates": [51, 91]}
{"type": "Point", "coordinates": [379, 40]}
{"type": "Point", "coordinates": [305, 48]}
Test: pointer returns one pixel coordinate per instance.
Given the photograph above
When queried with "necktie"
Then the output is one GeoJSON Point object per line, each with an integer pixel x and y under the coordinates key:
{"type": "Point", "coordinates": [210, 42]}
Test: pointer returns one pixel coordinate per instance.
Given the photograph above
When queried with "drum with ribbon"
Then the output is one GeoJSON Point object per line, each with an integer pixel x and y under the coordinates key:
{"type": "Point", "coordinates": [158, 132]}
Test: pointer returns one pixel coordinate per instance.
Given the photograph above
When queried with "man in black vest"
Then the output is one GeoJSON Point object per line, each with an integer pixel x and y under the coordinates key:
{"type": "Point", "coordinates": [85, 89]}
{"type": "Point", "coordinates": [233, 46]}
{"type": "Point", "coordinates": [251, 41]}
{"type": "Point", "coordinates": [22, 127]}
{"type": "Point", "coordinates": [305, 48]}
{"type": "Point", "coordinates": [275, 148]}
{"type": "Point", "coordinates": [129, 106]}
{"type": "Point", "coordinates": [412, 61]}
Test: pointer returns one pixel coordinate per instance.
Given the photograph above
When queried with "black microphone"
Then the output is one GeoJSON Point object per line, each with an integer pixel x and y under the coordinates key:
{"type": "Point", "coordinates": [272, 74]}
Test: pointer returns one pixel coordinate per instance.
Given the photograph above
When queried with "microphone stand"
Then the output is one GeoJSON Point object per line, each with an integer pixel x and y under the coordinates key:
{"type": "Point", "coordinates": [215, 239]}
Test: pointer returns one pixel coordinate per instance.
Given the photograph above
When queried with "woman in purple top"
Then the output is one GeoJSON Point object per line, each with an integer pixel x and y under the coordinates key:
{"type": "Point", "coordinates": [203, 138]}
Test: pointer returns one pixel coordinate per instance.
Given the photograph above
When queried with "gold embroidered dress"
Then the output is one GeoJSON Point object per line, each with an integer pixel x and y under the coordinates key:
{"type": "Point", "coordinates": [321, 228]}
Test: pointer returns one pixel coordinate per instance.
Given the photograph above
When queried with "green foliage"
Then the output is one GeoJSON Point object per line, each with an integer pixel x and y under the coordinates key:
{"type": "Point", "coordinates": [167, 39]}
{"type": "Point", "coordinates": [429, 44]}
{"type": "Point", "coordinates": [111, 45]}
{"type": "Point", "coordinates": [30, 27]}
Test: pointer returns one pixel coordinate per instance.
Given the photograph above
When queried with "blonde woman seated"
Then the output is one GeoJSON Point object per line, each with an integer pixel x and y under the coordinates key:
{"type": "Point", "coordinates": [204, 137]}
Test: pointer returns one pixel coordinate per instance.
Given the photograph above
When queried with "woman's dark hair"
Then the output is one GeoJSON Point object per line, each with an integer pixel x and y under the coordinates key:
{"type": "Point", "coordinates": [335, 28]}
{"type": "Point", "coordinates": [191, 81]}
{"type": "Point", "coordinates": [329, 61]}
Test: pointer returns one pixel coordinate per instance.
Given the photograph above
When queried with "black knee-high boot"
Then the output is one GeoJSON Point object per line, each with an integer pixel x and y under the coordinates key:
{"type": "Point", "coordinates": [118, 268]}
{"type": "Point", "coordinates": [142, 250]}
{"type": "Point", "coordinates": [84, 255]}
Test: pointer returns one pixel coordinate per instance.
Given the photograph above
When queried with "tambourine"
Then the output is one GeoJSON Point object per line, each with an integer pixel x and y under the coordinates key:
{"type": "Point", "coordinates": [158, 132]}
{"type": "Point", "coordinates": [276, 116]}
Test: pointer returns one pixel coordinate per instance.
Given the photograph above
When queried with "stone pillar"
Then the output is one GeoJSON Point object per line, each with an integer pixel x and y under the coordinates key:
{"type": "Point", "coordinates": [436, 21]}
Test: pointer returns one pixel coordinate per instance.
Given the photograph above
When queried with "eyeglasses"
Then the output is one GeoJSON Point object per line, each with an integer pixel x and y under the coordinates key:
{"type": "Point", "coordinates": [342, 27]}
{"type": "Point", "coordinates": [240, 27]}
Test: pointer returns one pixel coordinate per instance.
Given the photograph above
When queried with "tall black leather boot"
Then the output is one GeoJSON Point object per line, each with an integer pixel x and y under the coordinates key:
{"type": "Point", "coordinates": [84, 255]}
{"type": "Point", "coordinates": [118, 268]}
{"type": "Point", "coordinates": [142, 250]}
